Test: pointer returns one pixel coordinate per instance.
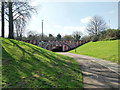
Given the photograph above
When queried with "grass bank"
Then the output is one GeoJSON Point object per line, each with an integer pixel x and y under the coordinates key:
{"type": "Point", "coordinates": [107, 50]}
{"type": "Point", "coordinates": [28, 66]}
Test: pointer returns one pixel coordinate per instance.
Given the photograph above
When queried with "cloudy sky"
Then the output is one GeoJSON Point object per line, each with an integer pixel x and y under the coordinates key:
{"type": "Point", "coordinates": [67, 17]}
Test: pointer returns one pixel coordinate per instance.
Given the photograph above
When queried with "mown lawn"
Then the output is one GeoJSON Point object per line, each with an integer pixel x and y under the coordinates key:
{"type": "Point", "coordinates": [107, 50]}
{"type": "Point", "coordinates": [28, 66]}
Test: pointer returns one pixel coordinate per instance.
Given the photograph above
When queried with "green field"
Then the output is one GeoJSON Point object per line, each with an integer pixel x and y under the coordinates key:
{"type": "Point", "coordinates": [107, 50]}
{"type": "Point", "coordinates": [28, 66]}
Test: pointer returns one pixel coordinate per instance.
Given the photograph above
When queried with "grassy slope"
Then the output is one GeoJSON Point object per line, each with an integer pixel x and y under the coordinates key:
{"type": "Point", "coordinates": [26, 65]}
{"type": "Point", "coordinates": [107, 50]}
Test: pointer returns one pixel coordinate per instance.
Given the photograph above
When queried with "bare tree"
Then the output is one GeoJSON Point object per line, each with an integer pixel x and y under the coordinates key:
{"type": "Point", "coordinates": [2, 17]}
{"type": "Point", "coordinates": [96, 25]}
{"type": "Point", "coordinates": [67, 37]}
{"type": "Point", "coordinates": [20, 27]}
{"type": "Point", "coordinates": [18, 13]}
{"type": "Point", "coordinates": [77, 35]}
{"type": "Point", "coordinates": [11, 30]}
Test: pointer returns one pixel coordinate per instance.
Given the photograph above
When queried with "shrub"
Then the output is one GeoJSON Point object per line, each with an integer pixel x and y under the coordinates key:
{"type": "Point", "coordinates": [95, 38]}
{"type": "Point", "coordinates": [117, 34]}
{"type": "Point", "coordinates": [86, 38]}
{"type": "Point", "coordinates": [108, 39]}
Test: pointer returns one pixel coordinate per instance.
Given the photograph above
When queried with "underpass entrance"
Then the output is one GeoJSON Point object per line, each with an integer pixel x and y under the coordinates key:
{"type": "Point", "coordinates": [57, 49]}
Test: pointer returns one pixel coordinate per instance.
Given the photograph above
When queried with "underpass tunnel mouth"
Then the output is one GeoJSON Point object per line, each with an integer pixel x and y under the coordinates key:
{"type": "Point", "coordinates": [57, 49]}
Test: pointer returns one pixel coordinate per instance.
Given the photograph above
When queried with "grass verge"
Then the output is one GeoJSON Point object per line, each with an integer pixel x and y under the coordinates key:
{"type": "Point", "coordinates": [29, 66]}
{"type": "Point", "coordinates": [107, 50]}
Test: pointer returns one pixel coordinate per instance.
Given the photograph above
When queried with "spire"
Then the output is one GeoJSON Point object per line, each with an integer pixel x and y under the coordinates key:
{"type": "Point", "coordinates": [42, 29]}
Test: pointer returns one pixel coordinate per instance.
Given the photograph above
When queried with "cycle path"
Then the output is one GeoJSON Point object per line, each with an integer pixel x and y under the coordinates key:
{"type": "Point", "coordinates": [97, 73]}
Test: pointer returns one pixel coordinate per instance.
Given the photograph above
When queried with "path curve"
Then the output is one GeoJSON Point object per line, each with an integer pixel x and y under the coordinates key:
{"type": "Point", "coordinates": [97, 73]}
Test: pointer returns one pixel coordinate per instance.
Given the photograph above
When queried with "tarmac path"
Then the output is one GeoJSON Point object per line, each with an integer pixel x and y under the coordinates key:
{"type": "Point", "coordinates": [97, 73]}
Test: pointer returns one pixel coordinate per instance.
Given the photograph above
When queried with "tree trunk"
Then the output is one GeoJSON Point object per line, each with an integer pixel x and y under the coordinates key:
{"type": "Point", "coordinates": [11, 31]}
{"type": "Point", "coordinates": [2, 17]}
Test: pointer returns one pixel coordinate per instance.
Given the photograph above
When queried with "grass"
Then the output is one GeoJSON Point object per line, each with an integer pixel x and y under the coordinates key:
{"type": "Point", "coordinates": [27, 66]}
{"type": "Point", "coordinates": [107, 50]}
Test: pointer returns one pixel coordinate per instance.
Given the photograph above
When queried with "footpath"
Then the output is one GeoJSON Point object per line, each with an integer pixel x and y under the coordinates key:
{"type": "Point", "coordinates": [97, 73]}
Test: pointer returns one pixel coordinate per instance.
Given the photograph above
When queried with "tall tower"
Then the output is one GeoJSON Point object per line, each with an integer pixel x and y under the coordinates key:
{"type": "Point", "coordinates": [109, 24]}
{"type": "Point", "coordinates": [119, 15]}
{"type": "Point", "coordinates": [42, 29]}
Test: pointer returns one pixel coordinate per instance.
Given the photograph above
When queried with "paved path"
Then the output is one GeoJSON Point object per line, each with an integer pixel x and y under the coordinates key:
{"type": "Point", "coordinates": [97, 73]}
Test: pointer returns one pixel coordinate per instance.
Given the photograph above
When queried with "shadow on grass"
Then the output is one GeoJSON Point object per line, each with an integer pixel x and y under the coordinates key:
{"type": "Point", "coordinates": [101, 76]}
{"type": "Point", "coordinates": [37, 72]}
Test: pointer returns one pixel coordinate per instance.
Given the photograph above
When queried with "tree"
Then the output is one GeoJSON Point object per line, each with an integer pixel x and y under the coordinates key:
{"type": "Point", "coordinates": [77, 35]}
{"type": "Point", "coordinates": [58, 37]}
{"type": "Point", "coordinates": [22, 13]}
{"type": "Point", "coordinates": [18, 14]}
{"type": "Point", "coordinates": [2, 17]}
{"type": "Point", "coordinates": [11, 31]}
{"type": "Point", "coordinates": [32, 35]}
{"type": "Point", "coordinates": [96, 25]}
{"type": "Point", "coordinates": [86, 38]}
{"type": "Point", "coordinates": [102, 35]}
{"type": "Point", "coordinates": [67, 37]}
{"type": "Point", "coordinates": [51, 37]}
{"type": "Point", "coordinates": [20, 27]}
{"type": "Point", "coordinates": [118, 34]}
{"type": "Point", "coordinates": [113, 33]}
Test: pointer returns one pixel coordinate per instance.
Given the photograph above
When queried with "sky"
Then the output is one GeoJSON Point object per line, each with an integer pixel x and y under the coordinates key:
{"type": "Point", "coordinates": [67, 17]}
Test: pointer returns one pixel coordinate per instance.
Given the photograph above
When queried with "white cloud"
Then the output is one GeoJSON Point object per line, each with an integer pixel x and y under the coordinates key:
{"type": "Point", "coordinates": [66, 30]}
{"type": "Point", "coordinates": [86, 19]}
{"type": "Point", "coordinates": [111, 12]}
{"type": "Point", "coordinates": [70, 28]}
{"type": "Point", "coordinates": [74, 28]}
{"type": "Point", "coordinates": [58, 26]}
{"type": "Point", "coordinates": [34, 3]}
{"type": "Point", "coordinates": [34, 18]}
